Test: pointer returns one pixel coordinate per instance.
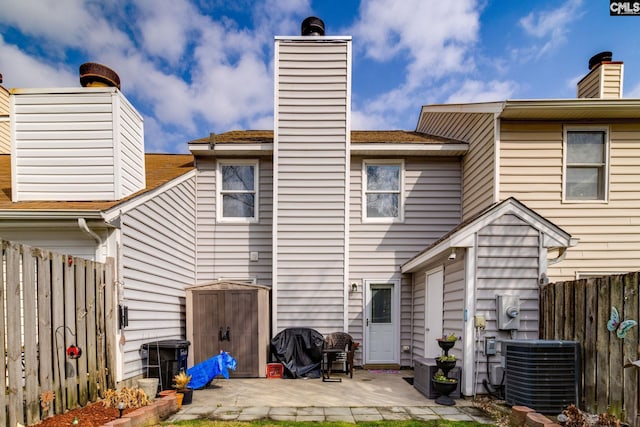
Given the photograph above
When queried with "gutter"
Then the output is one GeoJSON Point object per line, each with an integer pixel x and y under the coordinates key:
{"type": "Point", "coordinates": [82, 223]}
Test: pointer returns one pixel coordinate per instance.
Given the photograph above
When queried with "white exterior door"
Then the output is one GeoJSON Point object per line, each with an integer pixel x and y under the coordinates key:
{"type": "Point", "coordinates": [433, 312]}
{"type": "Point", "coordinates": [382, 323]}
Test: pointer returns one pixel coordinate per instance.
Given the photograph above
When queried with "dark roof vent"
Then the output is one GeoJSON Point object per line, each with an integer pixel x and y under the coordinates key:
{"type": "Point", "coordinates": [93, 74]}
{"type": "Point", "coordinates": [312, 26]}
{"type": "Point", "coordinates": [599, 58]}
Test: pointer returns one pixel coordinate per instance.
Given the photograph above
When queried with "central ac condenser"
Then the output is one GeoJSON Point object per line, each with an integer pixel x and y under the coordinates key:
{"type": "Point", "coordinates": [542, 374]}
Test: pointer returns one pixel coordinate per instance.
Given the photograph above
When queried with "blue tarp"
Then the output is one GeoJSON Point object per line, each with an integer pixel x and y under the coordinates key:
{"type": "Point", "coordinates": [204, 372]}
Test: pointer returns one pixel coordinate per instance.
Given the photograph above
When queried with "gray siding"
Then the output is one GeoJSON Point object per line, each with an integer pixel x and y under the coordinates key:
{"type": "Point", "coordinates": [311, 116]}
{"type": "Point", "coordinates": [83, 144]}
{"type": "Point", "coordinates": [507, 264]}
{"type": "Point", "coordinates": [432, 208]}
{"type": "Point", "coordinates": [158, 249]}
{"type": "Point", "coordinates": [224, 248]}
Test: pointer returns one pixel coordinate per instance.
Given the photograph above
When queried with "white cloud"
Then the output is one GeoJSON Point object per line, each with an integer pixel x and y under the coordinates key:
{"type": "Point", "coordinates": [633, 93]}
{"type": "Point", "coordinates": [434, 36]}
{"type": "Point", "coordinates": [478, 91]}
{"type": "Point", "coordinates": [550, 27]}
{"type": "Point", "coordinates": [21, 70]}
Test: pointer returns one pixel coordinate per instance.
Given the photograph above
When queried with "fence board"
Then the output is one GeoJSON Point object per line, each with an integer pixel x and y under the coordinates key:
{"type": "Point", "coordinates": [630, 347]}
{"type": "Point", "coordinates": [92, 322]}
{"type": "Point", "coordinates": [30, 334]}
{"type": "Point", "coordinates": [81, 271]}
{"type": "Point", "coordinates": [44, 326]}
{"type": "Point", "coordinates": [602, 355]}
{"type": "Point", "coordinates": [57, 325]}
{"type": "Point", "coordinates": [14, 344]}
{"type": "Point", "coordinates": [606, 385]}
{"type": "Point", "coordinates": [3, 361]}
{"type": "Point", "coordinates": [43, 309]}
{"type": "Point", "coordinates": [108, 293]}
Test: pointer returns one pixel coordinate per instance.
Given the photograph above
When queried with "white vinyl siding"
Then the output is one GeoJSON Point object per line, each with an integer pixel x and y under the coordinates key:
{"type": "Point", "coordinates": [67, 240]}
{"type": "Point", "coordinates": [84, 144]}
{"type": "Point", "coordinates": [432, 208]}
{"type": "Point", "coordinates": [479, 163]}
{"type": "Point", "coordinates": [311, 122]}
{"type": "Point", "coordinates": [158, 252]}
{"type": "Point", "coordinates": [224, 249]}
{"type": "Point", "coordinates": [609, 233]}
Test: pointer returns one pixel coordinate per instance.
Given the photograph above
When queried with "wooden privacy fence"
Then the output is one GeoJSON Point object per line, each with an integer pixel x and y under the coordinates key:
{"type": "Point", "coordinates": [52, 302]}
{"type": "Point", "coordinates": [579, 310]}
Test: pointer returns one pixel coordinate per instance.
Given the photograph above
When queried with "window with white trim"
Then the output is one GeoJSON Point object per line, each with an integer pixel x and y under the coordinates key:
{"type": "Point", "coordinates": [382, 190]}
{"type": "Point", "coordinates": [586, 164]}
{"type": "Point", "coordinates": [237, 190]}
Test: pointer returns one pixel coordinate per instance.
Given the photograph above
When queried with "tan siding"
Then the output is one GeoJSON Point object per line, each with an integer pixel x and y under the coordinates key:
{"type": "Point", "coordinates": [158, 251]}
{"type": "Point", "coordinates": [609, 233]}
{"type": "Point", "coordinates": [477, 130]}
{"type": "Point", "coordinates": [612, 81]}
{"type": "Point", "coordinates": [224, 248]}
{"type": "Point", "coordinates": [5, 136]}
{"type": "Point", "coordinates": [589, 86]}
{"type": "Point", "coordinates": [311, 122]}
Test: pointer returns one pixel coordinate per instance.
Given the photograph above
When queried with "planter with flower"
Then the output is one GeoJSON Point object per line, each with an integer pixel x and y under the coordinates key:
{"type": "Point", "coordinates": [181, 384]}
{"type": "Point", "coordinates": [441, 381]}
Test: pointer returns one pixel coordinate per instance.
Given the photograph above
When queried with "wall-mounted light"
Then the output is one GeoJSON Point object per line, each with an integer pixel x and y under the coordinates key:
{"type": "Point", "coordinates": [452, 255]}
{"type": "Point", "coordinates": [354, 287]}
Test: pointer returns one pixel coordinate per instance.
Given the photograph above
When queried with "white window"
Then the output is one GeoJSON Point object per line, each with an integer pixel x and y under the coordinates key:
{"type": "Point", "coordinates": [237, 190]}
{"type": "Point", "coordinates": [382, 190]}
{"type": "Point", "coordinates": [586, 164]}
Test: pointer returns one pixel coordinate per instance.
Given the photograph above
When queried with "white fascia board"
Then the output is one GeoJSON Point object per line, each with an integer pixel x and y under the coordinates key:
{"type": "Point", "coordinates": [479, 107]}
{"type": "Point", "coordinates": [205, 149]}
{"type": "Point", "coordinates": [44, 215]}
{"type": "Point", "coordinates": [79, 89]}
{"type": "Point", "coordinates": [115, 211]}
{"type": "Point", "coordinates": [409, 149]}
{"type": "Point", "coordinates": [314, 38]}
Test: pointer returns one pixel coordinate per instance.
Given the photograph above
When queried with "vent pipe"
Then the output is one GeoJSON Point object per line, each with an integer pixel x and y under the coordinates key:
{"type": "Point", "coordinates": [312, 26]}
{"type": "Point", "coordinates": [97, 75]}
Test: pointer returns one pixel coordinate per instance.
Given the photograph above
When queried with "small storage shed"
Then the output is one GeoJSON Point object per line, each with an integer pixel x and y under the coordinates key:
{"type": "Point", "coordinates": [233, 317]}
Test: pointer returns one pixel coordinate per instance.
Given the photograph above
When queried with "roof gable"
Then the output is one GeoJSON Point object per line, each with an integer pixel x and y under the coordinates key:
{"type": "Point", "coordinates": [463, 234]}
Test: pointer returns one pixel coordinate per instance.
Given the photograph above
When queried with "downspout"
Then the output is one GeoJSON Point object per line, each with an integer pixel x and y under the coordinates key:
{"type": "Point", "coordinates": [82, 223]}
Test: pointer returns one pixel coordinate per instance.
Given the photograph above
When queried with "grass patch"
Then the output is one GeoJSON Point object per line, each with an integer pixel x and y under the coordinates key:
{"type": "Point", "coordinates": [270, 423]}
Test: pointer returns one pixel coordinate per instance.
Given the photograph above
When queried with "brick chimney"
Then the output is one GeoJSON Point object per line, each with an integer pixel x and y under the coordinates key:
{"type": "Point", "coordinates": [604, 79]}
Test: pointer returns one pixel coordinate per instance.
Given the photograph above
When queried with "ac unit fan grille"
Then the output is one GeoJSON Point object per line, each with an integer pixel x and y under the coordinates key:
{"type": "Point", "coordinates": [543, 375]}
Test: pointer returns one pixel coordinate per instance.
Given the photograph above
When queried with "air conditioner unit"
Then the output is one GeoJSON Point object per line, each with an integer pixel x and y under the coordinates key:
{"type": "Point", "coordinates": [542, 374]}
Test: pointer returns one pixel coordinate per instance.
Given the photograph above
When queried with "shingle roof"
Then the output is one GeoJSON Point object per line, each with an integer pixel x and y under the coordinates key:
{"type": "Point", "coordinates": [160, 169]}
{"type": "Point", "coordinates": [357, 136]}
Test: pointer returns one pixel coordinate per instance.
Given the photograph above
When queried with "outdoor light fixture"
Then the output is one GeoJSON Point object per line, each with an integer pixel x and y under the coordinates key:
{"type": "Point", "coordinates": [452, 255]}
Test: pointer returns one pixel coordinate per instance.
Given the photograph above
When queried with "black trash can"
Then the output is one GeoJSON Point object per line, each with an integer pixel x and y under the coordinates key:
{"type": "Point", "coordinates": [164, 359]}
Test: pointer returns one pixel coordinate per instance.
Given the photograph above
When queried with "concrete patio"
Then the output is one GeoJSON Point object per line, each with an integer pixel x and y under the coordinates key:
{"type": "Point", "coordinates": [369, 396]}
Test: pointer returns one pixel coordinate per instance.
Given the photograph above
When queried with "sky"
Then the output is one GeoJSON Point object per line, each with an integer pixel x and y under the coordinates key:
{"type": "Point", "coordinates": [192, 67]}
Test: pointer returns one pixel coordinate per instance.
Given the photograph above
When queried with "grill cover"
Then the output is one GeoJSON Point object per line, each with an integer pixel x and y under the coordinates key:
{"type": "Point", "coordinates": [300, 351]}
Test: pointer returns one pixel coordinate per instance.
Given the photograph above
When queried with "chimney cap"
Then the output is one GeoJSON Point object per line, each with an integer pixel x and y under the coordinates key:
{"type": "Point", "coordinates": [599, 58]}
{"type": "Point", "coordinates": [312, 26]}
{"type": "Point", "coordinates": [94, 74]}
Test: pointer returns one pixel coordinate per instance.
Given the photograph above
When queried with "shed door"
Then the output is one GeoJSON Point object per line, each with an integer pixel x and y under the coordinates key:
{"type": "Point", "coordinates": [232, 314]}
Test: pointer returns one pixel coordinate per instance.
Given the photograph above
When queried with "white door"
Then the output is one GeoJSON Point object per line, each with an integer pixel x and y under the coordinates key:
{"type": "Point", "coordinates": [382, 323]}
{"type": "Point", "coordinates": [433, 312]}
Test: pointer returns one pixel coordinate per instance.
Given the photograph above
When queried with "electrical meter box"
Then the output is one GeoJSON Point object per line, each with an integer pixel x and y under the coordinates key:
{"type": "Point", "coordinates": [508, 308]}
